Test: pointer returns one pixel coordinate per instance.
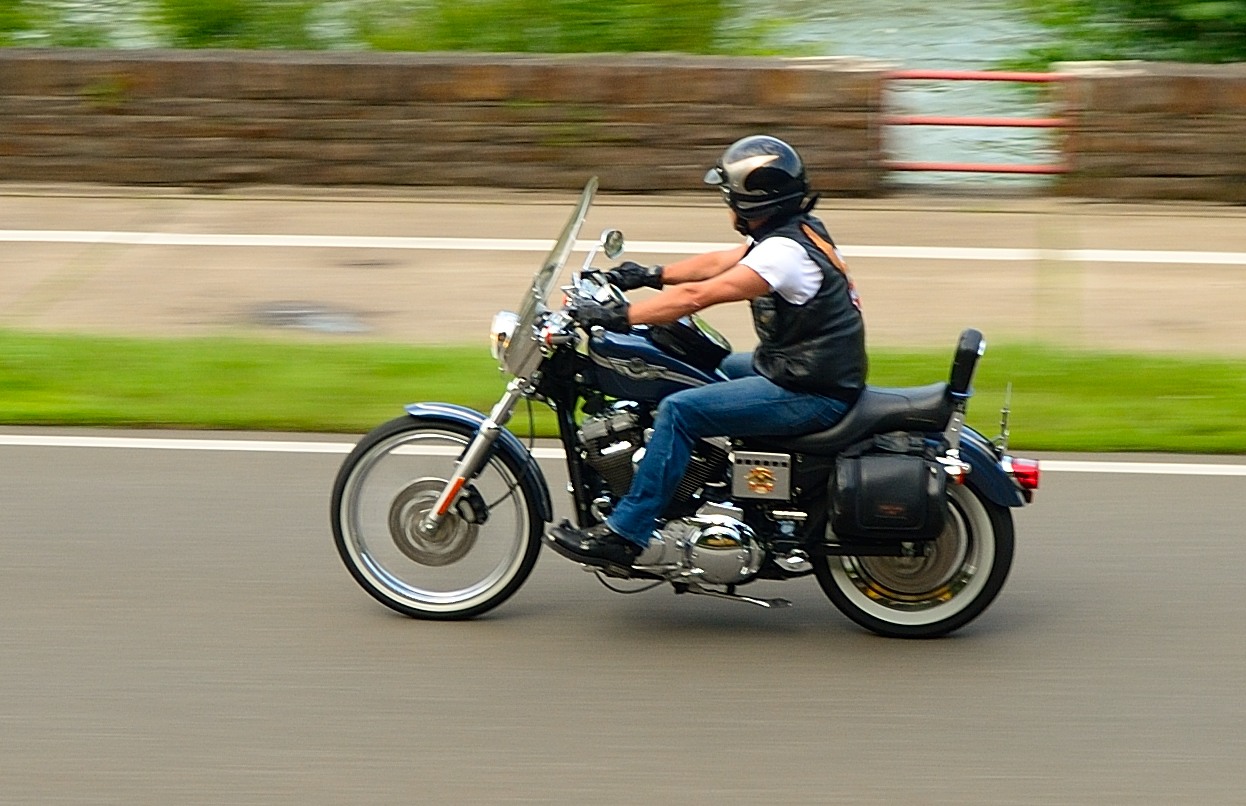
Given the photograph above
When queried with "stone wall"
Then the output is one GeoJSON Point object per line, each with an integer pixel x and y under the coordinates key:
{"type": "Point", "coordinates": [1156, 131]}
{"type": "Point", "coordinates": [640, 122]}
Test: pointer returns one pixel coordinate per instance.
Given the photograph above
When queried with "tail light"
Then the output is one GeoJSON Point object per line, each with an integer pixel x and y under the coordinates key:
{"type": "Point", "coordinates": [1024, 471]}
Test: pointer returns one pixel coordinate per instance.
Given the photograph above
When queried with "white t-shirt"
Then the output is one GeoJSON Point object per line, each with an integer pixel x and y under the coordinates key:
{"type": "Point", "coordinates": [787, 268]}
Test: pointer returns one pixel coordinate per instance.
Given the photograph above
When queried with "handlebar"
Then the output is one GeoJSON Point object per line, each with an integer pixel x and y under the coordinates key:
{"type": "Point", "coordinates": [593, 285]}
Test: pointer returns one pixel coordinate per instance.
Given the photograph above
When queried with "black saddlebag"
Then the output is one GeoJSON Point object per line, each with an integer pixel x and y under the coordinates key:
{"type": "Point", "coordinates": [888, 488]}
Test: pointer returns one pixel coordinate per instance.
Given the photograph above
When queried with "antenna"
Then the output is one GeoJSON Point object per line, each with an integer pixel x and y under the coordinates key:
{"type": "Point", "coordinates": [1001, 442]}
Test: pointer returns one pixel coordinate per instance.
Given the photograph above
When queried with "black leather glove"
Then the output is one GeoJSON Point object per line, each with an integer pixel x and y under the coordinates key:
{"type": "Point", "coordinates": [628, 276]}
{"type": "Point", "coordinates": [612, 316]}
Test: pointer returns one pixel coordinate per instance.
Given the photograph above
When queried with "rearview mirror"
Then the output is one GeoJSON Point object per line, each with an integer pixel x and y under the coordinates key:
{"type": "Point", "coordinates": [612, 243]}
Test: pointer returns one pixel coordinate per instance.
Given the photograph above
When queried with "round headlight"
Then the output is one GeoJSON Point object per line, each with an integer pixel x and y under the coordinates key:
{"type": "Point", "coordinates": [501, 332]}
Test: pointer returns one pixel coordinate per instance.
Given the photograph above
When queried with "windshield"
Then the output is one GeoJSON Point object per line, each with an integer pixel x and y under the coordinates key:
{"type": "Point", "coordinates": [547, 276]}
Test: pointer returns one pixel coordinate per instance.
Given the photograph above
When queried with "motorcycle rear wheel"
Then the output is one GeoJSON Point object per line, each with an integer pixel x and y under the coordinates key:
{"type": "Point", "coordinates": [481, 554]}
{"type": "Point", "coordinates": [941, 589]}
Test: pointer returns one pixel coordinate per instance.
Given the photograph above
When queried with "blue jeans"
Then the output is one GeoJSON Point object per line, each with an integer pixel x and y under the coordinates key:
{"type": "Point", "coordinates": [747, 405]}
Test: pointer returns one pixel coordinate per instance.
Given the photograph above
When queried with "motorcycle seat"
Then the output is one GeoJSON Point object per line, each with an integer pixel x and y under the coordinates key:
{"type": "Point", "coordinates": [877, 411]}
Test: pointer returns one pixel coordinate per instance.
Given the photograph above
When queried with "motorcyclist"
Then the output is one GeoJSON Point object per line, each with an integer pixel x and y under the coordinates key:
{"type": "Point", "coordinates": [807, 370]}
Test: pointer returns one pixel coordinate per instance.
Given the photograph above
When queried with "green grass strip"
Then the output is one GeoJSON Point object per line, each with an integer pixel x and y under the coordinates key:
{"type": "Point", "coordinates": [1062, 400]}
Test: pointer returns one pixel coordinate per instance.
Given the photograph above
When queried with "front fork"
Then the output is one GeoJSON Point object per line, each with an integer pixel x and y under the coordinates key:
{"type": "Point", "coordinates": [474, 457]}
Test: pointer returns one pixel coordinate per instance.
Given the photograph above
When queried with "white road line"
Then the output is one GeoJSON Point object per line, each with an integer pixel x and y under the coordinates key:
{"type": "Point", "coordinates": [296, 446]}
{"type": "Point", "coordinates": [1147, 468]}
{"type": "Point", "coordinates": [172, 444]}
{"type": "Point", "coordinates": [1007, 255]}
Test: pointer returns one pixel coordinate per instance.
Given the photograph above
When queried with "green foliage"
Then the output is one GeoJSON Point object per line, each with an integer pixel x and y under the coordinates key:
{"type": "Point", "coordinates": [14, 18]}
{"type": "Point", "coordinates": [1152, 30]}
{"type": "Point", "coordinates": [237, 23]}
{"type": "Point", "coordinates": [545, 26]}
{"type": "Point", "coordinates": [532, 26]}
{"type": "Point", "coordinates": [44, 23]}
{"type": "Point", "coordinates": [229, 383]}
{"type": "Point", "coordinates": [1089, 401]}
{"type": "Point", "coordinates": [63, 23]}
{"type": "Point", "coordinates": [1062, 399]}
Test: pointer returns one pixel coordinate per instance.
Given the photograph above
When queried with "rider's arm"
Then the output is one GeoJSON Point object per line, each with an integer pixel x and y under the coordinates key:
{"type": "Point", "coordinates": [702, 267]}
{"type": "Point", "coordinates": [736, 283]}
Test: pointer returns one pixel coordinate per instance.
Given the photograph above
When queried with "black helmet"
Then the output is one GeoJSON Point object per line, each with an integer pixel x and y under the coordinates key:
{"type": "Point", "coordinates": [759, 177]}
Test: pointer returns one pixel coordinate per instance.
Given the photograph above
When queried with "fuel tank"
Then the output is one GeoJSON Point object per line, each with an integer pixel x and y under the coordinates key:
{"type": "Point", "coordinates": [633, 366]}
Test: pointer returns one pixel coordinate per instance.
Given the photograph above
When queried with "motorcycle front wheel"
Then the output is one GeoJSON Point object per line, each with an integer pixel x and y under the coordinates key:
{"type": "Point", "coordinates": [941, 588]}
{"type": "Point", "coordinates": [484, 548]}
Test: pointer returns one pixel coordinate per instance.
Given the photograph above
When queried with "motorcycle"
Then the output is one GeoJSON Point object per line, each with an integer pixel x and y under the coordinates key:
{"type": "Point", "coordinates": [901, 512]}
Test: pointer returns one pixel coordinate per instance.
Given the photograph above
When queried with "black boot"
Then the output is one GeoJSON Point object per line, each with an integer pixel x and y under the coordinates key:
{"type": "Point", "coordinates": [597, 546]}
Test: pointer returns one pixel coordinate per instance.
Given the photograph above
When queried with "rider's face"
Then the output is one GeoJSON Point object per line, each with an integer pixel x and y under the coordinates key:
{"type": "Point", "coordinates": [737, 223]}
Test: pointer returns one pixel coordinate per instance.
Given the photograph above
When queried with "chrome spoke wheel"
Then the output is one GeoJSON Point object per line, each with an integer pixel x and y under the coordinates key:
{"type": "Point", "coordinates": [478, 554]}
{"type": "Point", "coordinates": [935, 574]}
{"type": "Point", "coordinates": [940, 585]}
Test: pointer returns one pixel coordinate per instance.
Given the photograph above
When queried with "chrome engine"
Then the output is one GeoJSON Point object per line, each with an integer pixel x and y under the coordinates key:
{"type": "Point", "coordinates": [711, 547]}
{"type": "Point", "coordinates": [612, 441]}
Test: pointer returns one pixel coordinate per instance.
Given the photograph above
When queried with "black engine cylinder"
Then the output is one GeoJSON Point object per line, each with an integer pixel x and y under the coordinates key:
{"type": "Point", "coordinates": [709, 460]}
{"type": "Point", "coordinates": [613, 460]}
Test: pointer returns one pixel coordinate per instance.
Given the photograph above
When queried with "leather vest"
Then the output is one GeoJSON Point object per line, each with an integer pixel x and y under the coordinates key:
{"type": "Point", "coordinates": [819, 346]}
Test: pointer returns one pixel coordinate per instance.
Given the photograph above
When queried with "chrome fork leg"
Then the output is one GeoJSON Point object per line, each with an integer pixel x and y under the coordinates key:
{"type": "Point", "coordinates": [474, 457]}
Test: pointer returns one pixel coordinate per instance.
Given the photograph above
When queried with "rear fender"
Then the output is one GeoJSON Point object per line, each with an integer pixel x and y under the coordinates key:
{"type": "Point", "coordinates": [531, 477]}
{"type": "Point", "coordinates": [988, 475]}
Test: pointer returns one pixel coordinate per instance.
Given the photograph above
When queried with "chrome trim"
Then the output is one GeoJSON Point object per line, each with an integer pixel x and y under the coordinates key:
{"type": "Point", "coordinates": [473, 457]}
{"type": "Point", "coordinates": [1001, 442]}
{"type": "Point", "coordinates": [955, 424]}
{"type": "Point", "coordinates": [954, 466]}
{"type": "Point", "coordinates": [637, 369]}
{"type": "Point", "coordinates": [736, 597]}
{"type": "Point", "coordinates": [797, 562]}
{"type": "Point", "coordinates": [724, 509]}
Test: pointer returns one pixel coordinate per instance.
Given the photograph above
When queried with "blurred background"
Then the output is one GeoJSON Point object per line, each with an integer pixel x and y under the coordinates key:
{"type": "Point", "coordinates": [964, 35]}
{"type": "Point", "coordinates": [133, 102]}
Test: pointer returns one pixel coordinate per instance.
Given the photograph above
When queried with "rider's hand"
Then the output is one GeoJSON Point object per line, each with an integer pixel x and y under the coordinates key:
{"type": "Point", "coordinates": [611, 316]}
{"type": "Point", "coordinates": [628, 276]}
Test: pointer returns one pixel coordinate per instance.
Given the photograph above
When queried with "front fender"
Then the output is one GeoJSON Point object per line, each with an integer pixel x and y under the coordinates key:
{"type": "Point", "coordinates": [988, 475]}
{"type": "Point", "coordinates": [530, 475]}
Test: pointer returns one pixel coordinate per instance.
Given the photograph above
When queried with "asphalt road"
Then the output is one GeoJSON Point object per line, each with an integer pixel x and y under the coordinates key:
{"type": "Point", "coordinates": [175, 627]}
